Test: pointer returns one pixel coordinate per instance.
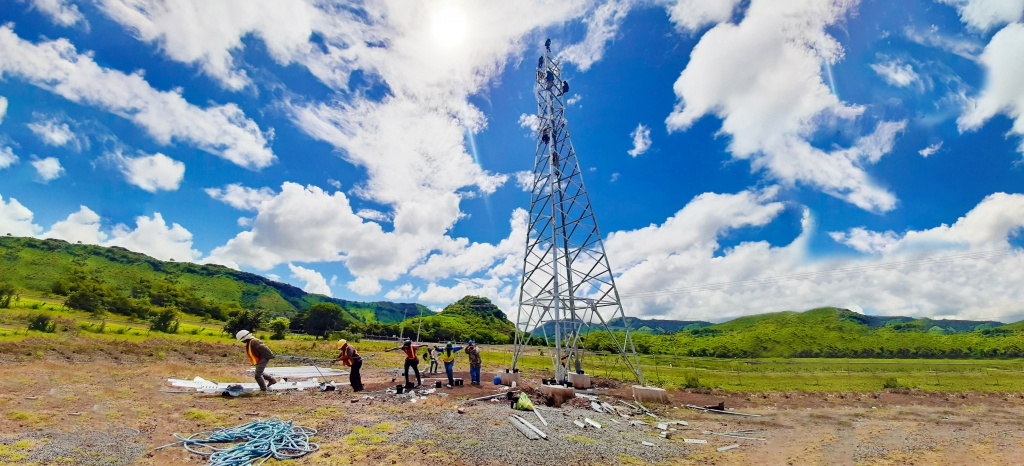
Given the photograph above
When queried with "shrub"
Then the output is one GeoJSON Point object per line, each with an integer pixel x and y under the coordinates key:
{"type": "Point", "coordinates": [165, 321]}
{"type": "Point", "coordinates": [245, 319]}
{"type": "Point", "coordinates": [892, 382]}
{"type": "Point", "coordinates": [347, 335]}
{"type": "Point", "coordinates": [7, 293]}
{"type": "Point", "coordinates": [692, 381]}
{"type": "Point", "coordinates": [42, 323]}
{"type": "Point", "coordinates": [279, 326]}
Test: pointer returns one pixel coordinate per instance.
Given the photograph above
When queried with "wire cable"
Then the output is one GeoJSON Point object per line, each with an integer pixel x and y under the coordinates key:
{"type": "Point", "coordinates": [263, 439]}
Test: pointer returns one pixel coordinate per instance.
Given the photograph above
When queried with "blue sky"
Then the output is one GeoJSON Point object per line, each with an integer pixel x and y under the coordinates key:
{"type": "Point", "coordinates": [371, 150]}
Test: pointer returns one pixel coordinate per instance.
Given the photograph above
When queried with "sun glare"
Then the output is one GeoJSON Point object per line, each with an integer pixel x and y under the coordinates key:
{"type": "Point", "coordinates": [449, 25]}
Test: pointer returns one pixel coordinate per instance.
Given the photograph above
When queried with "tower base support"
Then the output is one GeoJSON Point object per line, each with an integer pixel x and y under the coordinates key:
{"type": "Point", "coordinates": [650, 394]}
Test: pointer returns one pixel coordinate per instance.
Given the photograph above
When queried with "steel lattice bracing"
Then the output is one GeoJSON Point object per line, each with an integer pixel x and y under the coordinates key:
{"type": "Point", "coordinates": [567, 287]}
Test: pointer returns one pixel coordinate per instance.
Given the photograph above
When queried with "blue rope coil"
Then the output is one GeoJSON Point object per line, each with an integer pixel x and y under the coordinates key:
{"type": "Point", "coordinates": [263, 439]}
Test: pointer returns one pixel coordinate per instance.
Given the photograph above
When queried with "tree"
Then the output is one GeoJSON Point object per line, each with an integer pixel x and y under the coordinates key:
{"type": "Point", "coordinates": [246, 319]}
{"type": "Point", "coordinates": [322, 318]}
{"type": "Point", "coordinates": [7, 292]}
{"type": "Point", "coordinates": [165, 321]}
{"type": "Point", "coordinates": [279, 326]}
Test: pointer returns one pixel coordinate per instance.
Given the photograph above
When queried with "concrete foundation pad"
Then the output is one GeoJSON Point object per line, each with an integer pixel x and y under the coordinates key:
{"type": "Point", "coordinates": [558, 393]}
{"type": "Point", "coordinates": [579, 380]}
{"type": "Point", "coordinates": [650, 394]}
{"type": "Point", "coordinates": [508, 377]}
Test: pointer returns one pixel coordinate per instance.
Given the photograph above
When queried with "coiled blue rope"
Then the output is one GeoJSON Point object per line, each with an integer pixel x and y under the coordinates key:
{"type": "Point", "coordinates": [264, 439]}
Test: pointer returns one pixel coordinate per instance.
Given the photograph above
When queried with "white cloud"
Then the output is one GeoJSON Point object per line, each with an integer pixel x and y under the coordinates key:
{"type": "Point", "coordinates": [53, 133]}
{"type": "Point", "coordinates": [82, 226]}
{"type": "Point", "coordinates": [615, 177]}
{"type": "Point", "coordinates": [3, 108]}
{"type": "Point", "coordinates": [570, 101]}
{"type": "Point", "coordinates": [524, 180]}
{"type": "Point", "coordinates": [374, 215]}
{"type": "Point", "coordinates": [241, 197]}
{"type": "Point", "coordinates": [1003, 92]}
{"type": "Point", "coordinates": [498, 291]}
{"type": "Point", "coordinates": [335, 183]}
{"type": "Point", "coordinates": [930, 150]}
{"type": "Point", "coordinates": [404, 291]}
{"type": "Point", "coordinates": [602, 26]}
{"type": "Point", "coordinates": [530, 121]}
{"type": "Point", "coordinates": [16, 219]}
{"type": "Point", "coordinates": [460, 257]}
{"type": "Point", "coordinates": [153, 237]}
{"type": "Point", "coordinates": [244, 222]}
{"type": "Point", "coordinates": [896, 73]}
{"type": "Point", "coordinates": [958, 45]}
{"type": "Point", "coordinates": [692, 15]}
{"type": "Point", "coordinates": [970, 288]}
{"type": "Point", "coordinates": [7, 157]}
{"type": "Point", "coordinates": [641, 140]}
{"type": "Point", "coordinates": [983, 15]}
{"type": "Point", "coordinates": [151, 172]}
{"type": "Point", "coordinates": [48, 169]}
{"type": "Point", "coordinates": [57, 67]}
{"type": "Point", "coordinates": [868, 242]}
{"type": "Point", "coordinates": [762, 77]}
{"type": "Point", "coordinates": [61, 12]}
{"type": "Point", "coordinates": [315, 283]}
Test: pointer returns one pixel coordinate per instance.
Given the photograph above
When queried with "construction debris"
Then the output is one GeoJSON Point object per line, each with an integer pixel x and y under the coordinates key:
{"type": "Point", "coordinates": [736, 434]}
{"type": "Point", "coordinates": [579, 424]}
{"type": "Point", "coordinates": [529, 433]}
{"type": "Point", "coordinates": [730, 447]}
{"type": "Point", "coordinates": [537, 412]}
{"type": "Point", "coordinates": [301, 372]}
{"type": "Point", "coordinates": [596, 407]}
{"type": "Point", "coordinates": [202, 385]}
{"type": "Point", "coordinates": [531, 426]}
{"type": "Point", "coordinates": [646, 443]}
{"type": "Point", "coordinates": [591, 422]}
{"type": "Point", "coordinates": [720, 411]}
{"type": "Point", "coordinates": [694, 440]}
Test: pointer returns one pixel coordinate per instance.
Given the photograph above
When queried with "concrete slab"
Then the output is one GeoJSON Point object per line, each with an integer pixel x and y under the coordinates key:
{"type": "Point", "coordinates": [650, 394]}
{"type": "Point", "coordinates": [559, 393]}
{"type": "Point", "coordinates": [579, 380]}
{"type": "Point", "coordinates": [508, 377]}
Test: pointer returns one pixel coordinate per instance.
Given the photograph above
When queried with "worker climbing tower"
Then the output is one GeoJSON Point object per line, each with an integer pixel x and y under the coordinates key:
{"type": "Point", "coordinates": [567, 288]}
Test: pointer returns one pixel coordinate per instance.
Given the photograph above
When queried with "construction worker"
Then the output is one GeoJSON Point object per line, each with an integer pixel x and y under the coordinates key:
{"type": "Point", "coordinates": [432, 354]}
{"type": "Point", "coordinates": [350, 358]}
{"type": "Point", "coordinates": [448, 358]}
{"type": "Point", "coordinates": [259, 356]}
{"type": "Point", "coordinates": [474, 363]}
{"type": "Point", "coordinates": [411, 360]}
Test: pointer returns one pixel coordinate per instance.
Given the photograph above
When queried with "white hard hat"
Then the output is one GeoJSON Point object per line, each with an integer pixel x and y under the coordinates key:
{"type": "Point", "coordinates": [243, 335]}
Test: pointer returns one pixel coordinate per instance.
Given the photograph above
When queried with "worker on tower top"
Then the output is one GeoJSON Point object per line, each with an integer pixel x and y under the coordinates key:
{"type": "Point", "coordinates": [259, 355]}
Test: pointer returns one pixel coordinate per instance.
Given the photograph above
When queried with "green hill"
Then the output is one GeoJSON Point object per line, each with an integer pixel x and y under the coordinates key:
{"type": "Point", "coordinates": [658, 326]}
{"type": "Point", "coordinates": [470, 318]}
{"type": "Point", "coordinates": [129, 283]}
{"type": "Point", "coordinates": [831, 332]}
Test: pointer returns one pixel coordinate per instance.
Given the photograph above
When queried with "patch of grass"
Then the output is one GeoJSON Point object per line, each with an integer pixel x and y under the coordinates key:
{"type": "Point", "coordinates": [580, 438]}
{"type": "Point", "coordinates": [16, 451]}
{"type": "Point", "coordinates": [16, 415]}
{"type": "Point", "coordinates": [198, 414]}
{"type": "Point", "coordinates": [369, 435]}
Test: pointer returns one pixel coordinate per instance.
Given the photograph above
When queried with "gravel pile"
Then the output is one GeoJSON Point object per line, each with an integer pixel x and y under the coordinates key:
{"type": "Point", "coordinates": [118, 446]}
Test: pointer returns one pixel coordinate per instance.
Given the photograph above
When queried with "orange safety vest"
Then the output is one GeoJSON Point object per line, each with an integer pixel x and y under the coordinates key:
{"type": "Point", "coordinates": [410, 352]}
{"type": "Point", "coordinates": [345, 360]}
{"type": "Point", "coordinates": [248, 352]}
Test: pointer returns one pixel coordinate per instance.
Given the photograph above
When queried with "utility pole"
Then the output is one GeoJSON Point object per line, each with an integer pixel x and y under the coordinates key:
{"type": "Point", "coordinates": [567, 286]}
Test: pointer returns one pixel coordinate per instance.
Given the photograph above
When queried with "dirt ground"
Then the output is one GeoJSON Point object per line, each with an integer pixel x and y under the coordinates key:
{"type": "Point", "coordinates": [106, 411]}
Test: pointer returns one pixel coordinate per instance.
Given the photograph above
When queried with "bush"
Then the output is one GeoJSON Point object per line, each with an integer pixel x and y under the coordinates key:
{"type": "Point", "coordinates": [42, 323]}
{"type": "Point", "coordinates": [165, 321]}
{"type": "Point", "coordinates": [346, 335]}
{"type": "Point", "coordinates": [7, 293]}
{"type": "Point", "coordinates": [245, 319]}
{"type": "Point", "coordinates": [892, 382]}
{"type": "Point", "coordinates": [692, 381]}
{"type": "Point", "coordinates": [279, 326]}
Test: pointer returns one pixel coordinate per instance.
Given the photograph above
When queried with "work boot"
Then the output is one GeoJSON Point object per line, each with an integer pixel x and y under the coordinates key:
{"type": "Point", "coordinates": [272, 382]}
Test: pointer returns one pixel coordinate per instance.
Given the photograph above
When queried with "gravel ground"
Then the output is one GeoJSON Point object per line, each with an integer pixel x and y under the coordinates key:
{"type": "Point", "coordinates": [118, 446]}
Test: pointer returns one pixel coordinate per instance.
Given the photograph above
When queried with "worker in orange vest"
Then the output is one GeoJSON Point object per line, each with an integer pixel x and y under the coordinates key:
{"type": "Point", "coordinates": [259, 355]}
{"type": "Point", "coordinates": [350, 358]}
{"type": "Point", "coordinates": [411, 360]}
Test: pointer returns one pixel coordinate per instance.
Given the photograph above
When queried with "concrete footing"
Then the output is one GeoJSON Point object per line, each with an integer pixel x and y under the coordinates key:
{"type": "Point", "coordinates": [558, 393]}
{"type": "Point", "coordinates": [508, 377]}
{"type": "Point", "coordinates": [579, 380]}
{"type": "Point", "coordinates": [650, 394]}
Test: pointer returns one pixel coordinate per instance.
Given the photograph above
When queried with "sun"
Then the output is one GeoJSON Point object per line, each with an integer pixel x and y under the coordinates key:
{"type": "Point", "coordinates": [449, 25]}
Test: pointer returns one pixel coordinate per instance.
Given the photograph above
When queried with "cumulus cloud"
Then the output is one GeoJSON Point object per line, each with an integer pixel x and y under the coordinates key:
{"type": "Point", "coordinates": [48, 169]}
{"type": "Point", "coordinates": [315, 283]}
{"type": "Point", "coordinates": [524, 180]}
{"type": "Point", "coordinates": [151, 172]}
{"type": "Point", "coordinates": [984, 15]}
{"type": "Point", "coordinates": [498, 291]}
{"type": "Point", "coordinates": [61, 12]}
{"type": "Point", "coordinates": [82, 226]}
{"type": "Point", "coordinates": [602, 26]}
{"type": "Point", "coordinates": [404, 291]}
{"type": "Point", "coordinates": [153, 237]}
{"type": "Point", "coordinates": [57, 67]}
{"type": "Point", "coordinates": [241, 197]}
{"type": "Point", "coordinates": [931, 149]}
{"type": "Point", "coordinates": [692, 15]}
{"type": "Point", "coordinates": [762, 77]}
{"type": "Point", "coordinates": [1003, 92]}
{"type": "Point", "coordinates": [374, 215]}
{"type": "Point", "coordinates": [3, 108]}
{"type": "Point", "coordinates": [7, 157]}
{"type": "Point", "coordinates": [641, 140]}
{"type": "Point", "coordinates": [460, 257]}
{"type": "Point", "coordinates": [662, 275]}
{"type": "Point", "coordinates": [531, 121]}
{"type": "Point", "coordinates": [53, 132]}
{"type": "Point", "coordinates": [896, 73]}
{"type": "Point", "coordinates": [16, 219]}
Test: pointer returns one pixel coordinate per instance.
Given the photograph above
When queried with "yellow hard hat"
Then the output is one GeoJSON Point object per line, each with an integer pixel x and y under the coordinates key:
{"type": "Point", "coordinates": [341, 343]}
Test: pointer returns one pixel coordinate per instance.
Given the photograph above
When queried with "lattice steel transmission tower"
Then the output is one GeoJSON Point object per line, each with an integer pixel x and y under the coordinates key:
{"type": "Point", "coordinates": [567, 288]}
